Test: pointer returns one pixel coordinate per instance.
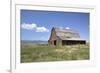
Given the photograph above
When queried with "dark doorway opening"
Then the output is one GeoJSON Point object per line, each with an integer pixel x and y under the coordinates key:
{"type": "Point", "coordinates": [55, 42]}
{"type": "Point", "coordinates": [72, 42]}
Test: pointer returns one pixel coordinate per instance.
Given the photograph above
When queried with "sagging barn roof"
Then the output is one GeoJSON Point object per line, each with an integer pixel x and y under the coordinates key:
{"type": "Point", "coordinates": [66, 34]}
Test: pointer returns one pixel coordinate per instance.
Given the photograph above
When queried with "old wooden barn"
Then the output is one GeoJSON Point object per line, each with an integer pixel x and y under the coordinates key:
{"type": "Point", "coordinates": [60, 36]}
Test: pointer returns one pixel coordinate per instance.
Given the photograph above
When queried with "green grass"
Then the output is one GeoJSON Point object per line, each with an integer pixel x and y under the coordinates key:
{"type": "Point", "coordinates": [42, 53]}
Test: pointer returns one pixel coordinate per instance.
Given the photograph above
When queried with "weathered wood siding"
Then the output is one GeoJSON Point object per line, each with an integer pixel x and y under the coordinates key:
{"type": "Point", "coordinates": [53, 37]}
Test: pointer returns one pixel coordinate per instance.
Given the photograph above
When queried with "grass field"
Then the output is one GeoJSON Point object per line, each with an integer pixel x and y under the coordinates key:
{"type": "Point", "coordinates": [44, 53]}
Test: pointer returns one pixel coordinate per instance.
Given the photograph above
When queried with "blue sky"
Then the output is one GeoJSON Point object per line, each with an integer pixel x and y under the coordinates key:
{"type": "Point", "coordinates": [37, 25]}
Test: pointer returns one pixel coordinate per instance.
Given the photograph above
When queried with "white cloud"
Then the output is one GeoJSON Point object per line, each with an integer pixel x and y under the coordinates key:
{"type": "Point", "coordinates": [67, 28]}
{"type": "Point", "coordinates": [29, 26]}
{"type": "Point", "coordinates": [34, 27]}
{"type": "Point", "coordinates": [41, 29]}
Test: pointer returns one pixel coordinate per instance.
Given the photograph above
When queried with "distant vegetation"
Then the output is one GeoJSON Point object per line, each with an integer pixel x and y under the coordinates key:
{"type": "Point", "coordinates": [44, 52]}
{"type": "Point", "coordinates": [33, 42]}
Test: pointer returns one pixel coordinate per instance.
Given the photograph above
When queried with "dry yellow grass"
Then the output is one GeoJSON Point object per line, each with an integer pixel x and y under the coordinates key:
{"type": "Point", "coordinates": [41, 53]}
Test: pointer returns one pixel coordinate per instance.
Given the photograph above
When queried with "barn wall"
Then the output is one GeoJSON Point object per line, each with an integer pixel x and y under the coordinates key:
{"type": "Point", "coordinates": [53, 37]}
{"type": "Point", "coordinates": [59, 42]}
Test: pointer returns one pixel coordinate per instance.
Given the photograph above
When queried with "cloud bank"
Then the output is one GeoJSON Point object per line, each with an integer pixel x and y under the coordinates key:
{"type": "Point", "coordinates": [67, 28]}
{"type": "Point", "coordinates": [34, 27]}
